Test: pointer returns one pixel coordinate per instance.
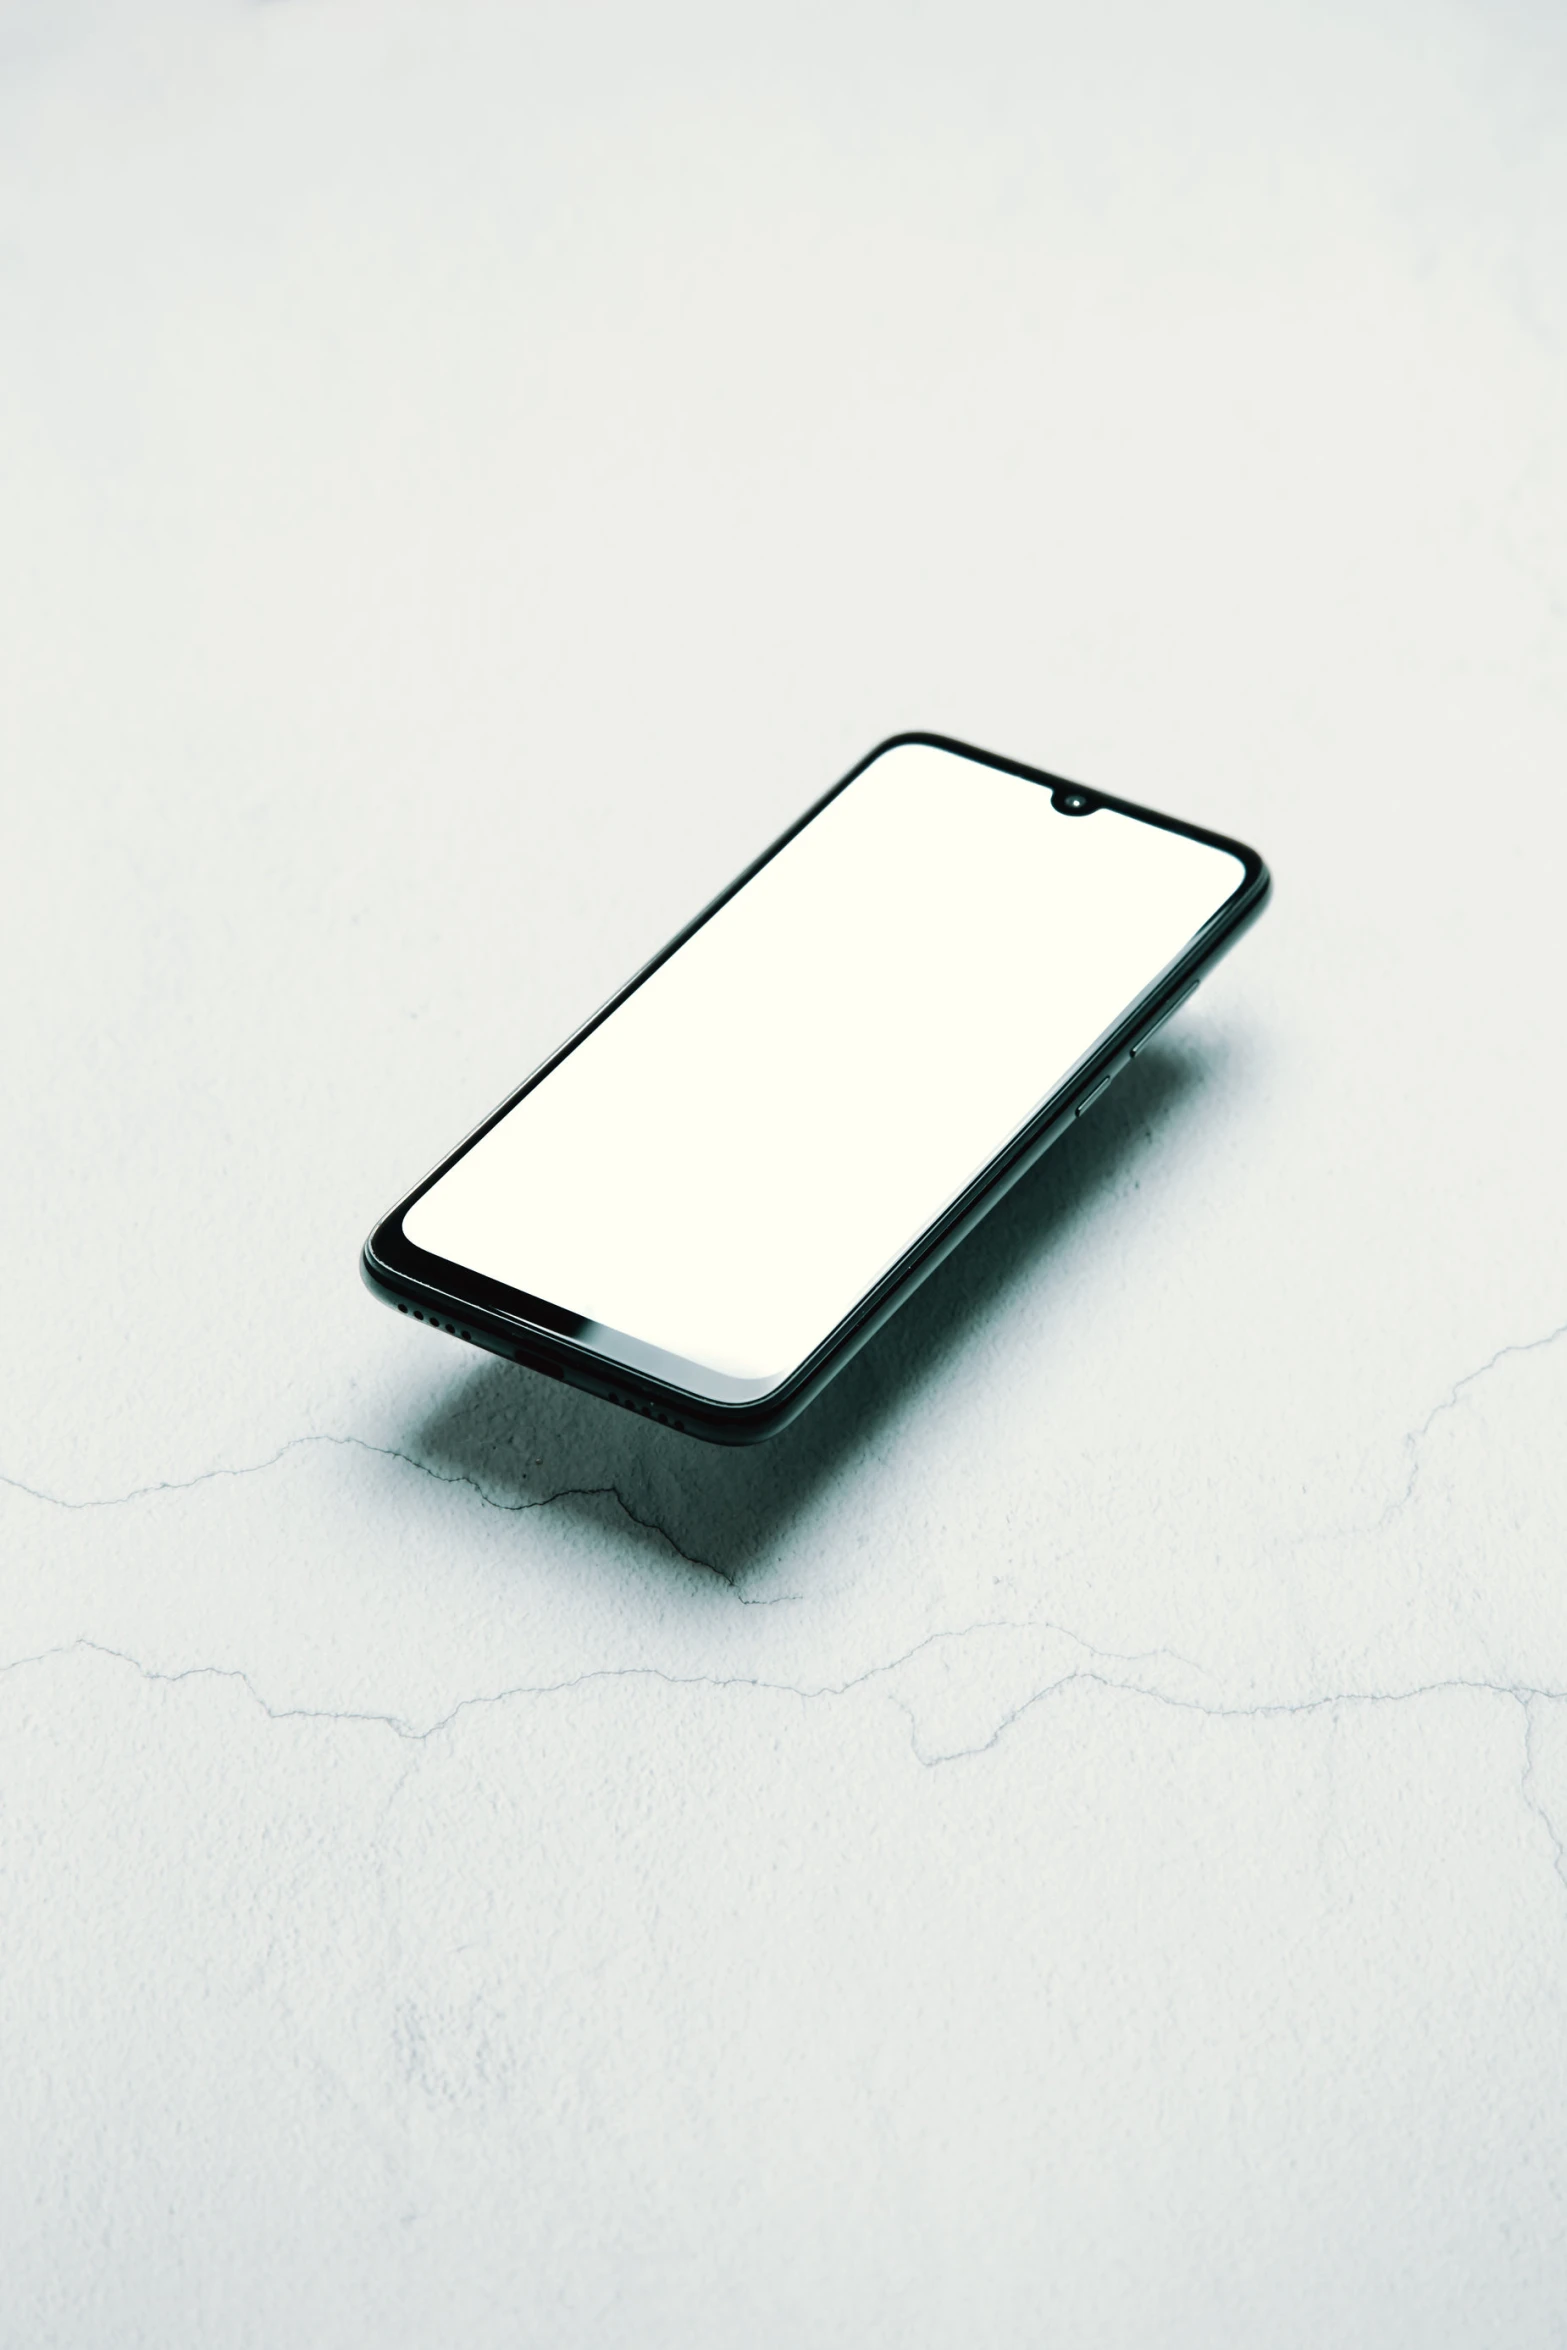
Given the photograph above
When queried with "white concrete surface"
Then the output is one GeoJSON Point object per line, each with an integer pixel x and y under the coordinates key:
{"type": "Point", "coordinates": [1067, 1846]}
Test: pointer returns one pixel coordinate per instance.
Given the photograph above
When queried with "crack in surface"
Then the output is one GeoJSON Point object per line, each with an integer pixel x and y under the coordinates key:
{"type": "Point", "coordinates": [1532, 1797]}
{"type": "Point", "coordinates": [1521, 1693]}
{"type": "Point", "coordinates": [390, 1452]}
{"type": "Point", "coordinates": [1413, 1440]}
{"type": "Point", "coordinates": [1450, 1402]}
{"type": "Point", "coordinates": [1526, 1696]}
{"type": "Point", "coordinates": [407, 1730]}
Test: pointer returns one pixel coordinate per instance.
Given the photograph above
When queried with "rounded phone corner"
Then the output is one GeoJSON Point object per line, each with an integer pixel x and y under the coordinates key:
{"type": "Point", "coordinates": [374, 1268]}
{"type": "Point", "coordinates": [370, 1270]}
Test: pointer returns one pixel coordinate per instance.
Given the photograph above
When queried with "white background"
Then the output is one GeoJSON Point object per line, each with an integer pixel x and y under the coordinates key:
{"type": "Point", "coordinates": [1067, 1845]}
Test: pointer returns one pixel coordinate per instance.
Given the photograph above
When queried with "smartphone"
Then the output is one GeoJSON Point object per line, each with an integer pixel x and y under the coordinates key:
{"type": "Point", "coordinates": [722, 1184]}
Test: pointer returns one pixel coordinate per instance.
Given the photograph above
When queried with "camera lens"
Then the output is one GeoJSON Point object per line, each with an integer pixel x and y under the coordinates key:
{"type": "Point", "coordinates": [1071, 803]}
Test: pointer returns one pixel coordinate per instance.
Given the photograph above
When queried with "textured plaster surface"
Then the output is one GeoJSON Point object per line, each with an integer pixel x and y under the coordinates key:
{"type": "Point", "coordinates": [1069, 1844]}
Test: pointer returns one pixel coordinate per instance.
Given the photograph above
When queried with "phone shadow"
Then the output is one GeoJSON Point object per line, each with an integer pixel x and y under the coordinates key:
{"type": "Point", "coordinates": [523, 1439]}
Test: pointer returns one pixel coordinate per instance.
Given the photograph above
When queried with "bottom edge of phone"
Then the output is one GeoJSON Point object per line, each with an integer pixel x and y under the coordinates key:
{"type": "Point", "coordinates": [710, 1423]}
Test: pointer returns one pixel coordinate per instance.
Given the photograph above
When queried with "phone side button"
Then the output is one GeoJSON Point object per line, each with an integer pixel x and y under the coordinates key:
{"type": "Point", "coordinates": [1150, 1032]}
{"type": "Point", "coordinates": [1089, 1099]}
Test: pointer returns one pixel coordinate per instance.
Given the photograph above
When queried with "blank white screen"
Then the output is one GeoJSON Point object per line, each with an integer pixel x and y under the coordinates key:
{"type": "Point", "coordinates": [728, 1163]}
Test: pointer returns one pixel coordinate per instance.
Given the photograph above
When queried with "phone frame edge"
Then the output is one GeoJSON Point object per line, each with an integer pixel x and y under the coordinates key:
{"type": "Point", "coordinates": [459, 1308]}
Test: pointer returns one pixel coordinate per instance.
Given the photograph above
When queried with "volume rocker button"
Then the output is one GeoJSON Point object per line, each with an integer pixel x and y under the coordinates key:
{"type": "Point", "coordinates": [1149, 1033]}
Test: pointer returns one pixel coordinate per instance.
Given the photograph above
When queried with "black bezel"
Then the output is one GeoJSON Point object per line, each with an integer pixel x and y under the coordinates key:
{"type": "Point", "coordinates": [545, 1337]}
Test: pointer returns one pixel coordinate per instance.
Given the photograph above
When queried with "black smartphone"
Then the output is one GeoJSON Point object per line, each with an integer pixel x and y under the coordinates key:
{"type": "Point", "coordinates": [712, 1194]}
